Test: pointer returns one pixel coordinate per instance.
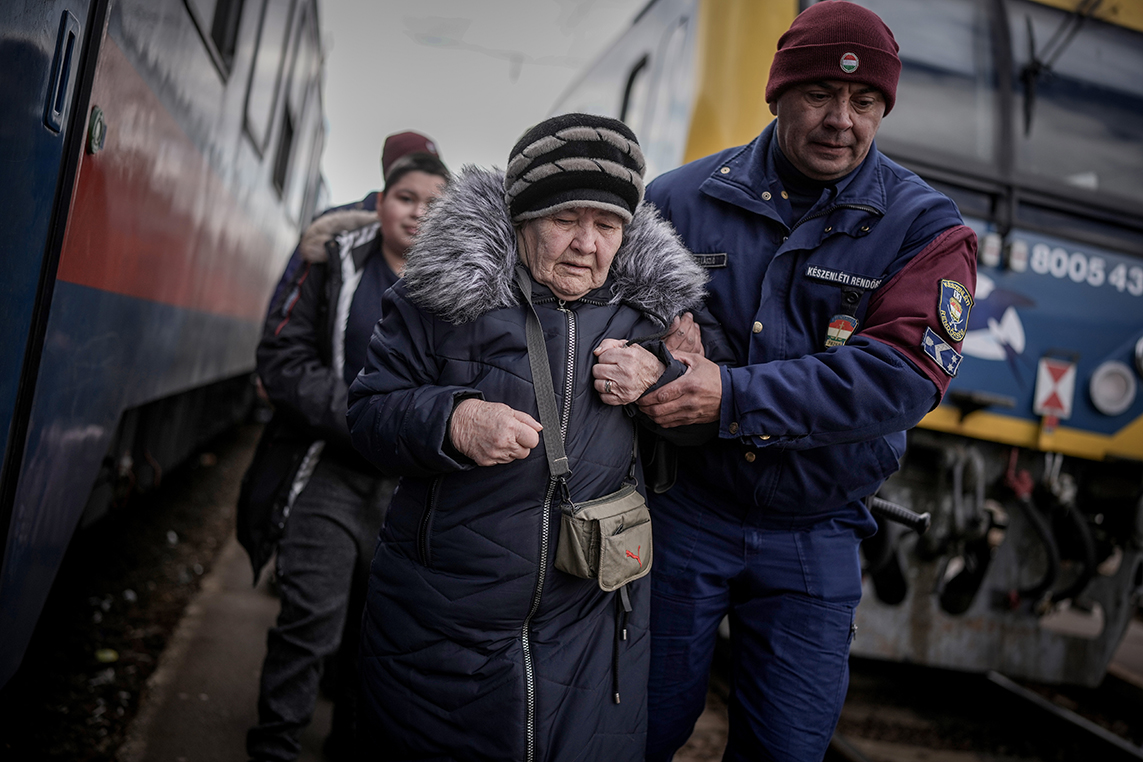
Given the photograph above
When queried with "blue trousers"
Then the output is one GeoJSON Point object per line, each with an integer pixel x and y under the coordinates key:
{"type": "Point", "coordinates": [790, 589]}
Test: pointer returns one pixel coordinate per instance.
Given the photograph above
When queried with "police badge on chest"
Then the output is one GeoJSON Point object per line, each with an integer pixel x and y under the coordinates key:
{"type": "Point", "coordinates": [852, 286]}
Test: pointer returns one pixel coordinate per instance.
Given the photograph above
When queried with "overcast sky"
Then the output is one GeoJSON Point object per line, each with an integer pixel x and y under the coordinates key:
{"type": "Point", "coordinates": [471, 74]}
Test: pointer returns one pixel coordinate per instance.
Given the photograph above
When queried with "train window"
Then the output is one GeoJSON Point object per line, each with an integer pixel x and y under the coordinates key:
{"type": "Point", "coordinates": [1080, 227]}
{"type": "Point", "coordinates": [309, 179]}
{"type": "Point", "coordinates": [946, 96]}
{"type": "Point", "coordinates": [304, 64]}
{"type": "Point", "coordinates": [267, 70]}
{"type": "Point", "coordinates": [665, 142]}
{"type": "Point", "coordinates": [302, 71]}
{"type": "Point", "coordinates": [633, 111]}
{"type": "Point", "coordinates": [1078, 105]}
{"type": "Point", "coordinates": [282, 157]}
{"type": "Point", "coordinates": [224, 29]}
{"type": "Point", "coordinates": [217, 22]}
{"type": "Point", "coordinates": [298, 175]}
{"type": "Point", "coordinates": [203, 10]}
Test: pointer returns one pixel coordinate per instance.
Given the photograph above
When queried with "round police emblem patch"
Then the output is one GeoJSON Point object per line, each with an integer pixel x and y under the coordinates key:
{"type": "Point", "coordinates": [953, 308]}
{"type": "Point", "coordinates": [849, 63]}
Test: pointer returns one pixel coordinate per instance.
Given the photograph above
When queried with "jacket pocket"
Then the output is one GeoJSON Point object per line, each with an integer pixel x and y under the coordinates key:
{"type": "Point", "coordinates": [425, 529]}
{"type": "Point", "coordinates": [819, 480]}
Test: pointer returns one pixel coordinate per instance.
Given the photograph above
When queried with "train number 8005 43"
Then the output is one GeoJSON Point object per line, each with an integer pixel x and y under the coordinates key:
{"type": "Point", "coordinates": [1081, 268]}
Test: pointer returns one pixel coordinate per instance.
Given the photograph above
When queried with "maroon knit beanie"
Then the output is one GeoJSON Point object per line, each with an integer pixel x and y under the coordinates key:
{"type": "Point", "coordinates": [403, 143]}
{"type": "Point", "coordinates": [836, 40]}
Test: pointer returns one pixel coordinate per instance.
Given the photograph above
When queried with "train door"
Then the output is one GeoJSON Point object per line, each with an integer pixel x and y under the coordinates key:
{"type": "Point", "coordinates": [47, 57]}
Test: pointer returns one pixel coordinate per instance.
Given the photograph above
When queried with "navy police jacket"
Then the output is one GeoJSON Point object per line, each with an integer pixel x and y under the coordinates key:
{"type": "Point", "coordinates": [845, 328]}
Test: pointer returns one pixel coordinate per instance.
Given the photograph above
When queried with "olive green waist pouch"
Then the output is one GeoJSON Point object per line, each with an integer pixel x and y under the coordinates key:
{"type": "Point", "coordinates": [607, 539]}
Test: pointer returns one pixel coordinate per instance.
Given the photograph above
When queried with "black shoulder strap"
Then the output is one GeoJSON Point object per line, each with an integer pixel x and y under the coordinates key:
{"type": "Point", "coordinates": [542, 382]}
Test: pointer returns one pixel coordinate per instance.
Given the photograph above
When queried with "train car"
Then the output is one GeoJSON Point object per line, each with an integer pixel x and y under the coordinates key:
{"type": "Point", "coordinates": [158, 160]}
{"type": "Point", "coordinates": [1029, 114]}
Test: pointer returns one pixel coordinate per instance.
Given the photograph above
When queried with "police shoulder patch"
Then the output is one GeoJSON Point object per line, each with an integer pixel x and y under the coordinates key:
{"type": "Point", "coordinates": [940, 352]}
{"type": "Point", "coordinates": [953, 307]}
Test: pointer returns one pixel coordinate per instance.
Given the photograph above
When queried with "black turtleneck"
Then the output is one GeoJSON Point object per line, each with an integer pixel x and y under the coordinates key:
{"type": "Point", "coordinates": [803, 191]}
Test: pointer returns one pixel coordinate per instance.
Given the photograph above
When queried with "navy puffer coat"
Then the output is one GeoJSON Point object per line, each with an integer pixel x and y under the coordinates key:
{"type": "Point", "coordinates": [475, 647]}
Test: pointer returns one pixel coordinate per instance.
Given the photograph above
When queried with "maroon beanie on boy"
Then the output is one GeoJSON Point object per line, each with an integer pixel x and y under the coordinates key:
{"type": "Point", "coordinates": [401, 144]}
{"type": "Point", "coordinates": [836, 40]}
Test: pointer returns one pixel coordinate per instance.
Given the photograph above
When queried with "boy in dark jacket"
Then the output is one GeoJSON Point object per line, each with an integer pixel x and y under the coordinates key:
{"type": "Point", "coordinates": [312, 347]}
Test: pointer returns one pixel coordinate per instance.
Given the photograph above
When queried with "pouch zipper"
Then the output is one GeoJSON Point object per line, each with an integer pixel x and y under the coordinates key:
{"type": "Point", "coordinates": [545, 524]}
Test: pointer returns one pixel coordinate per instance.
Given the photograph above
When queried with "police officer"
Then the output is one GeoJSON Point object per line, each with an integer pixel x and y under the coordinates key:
{"type": "Point", "coordinates": [843, 283]}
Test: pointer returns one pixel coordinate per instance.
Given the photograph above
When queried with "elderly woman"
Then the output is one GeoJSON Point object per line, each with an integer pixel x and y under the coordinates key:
{"type": "Point", "coordinates": [475, 645]}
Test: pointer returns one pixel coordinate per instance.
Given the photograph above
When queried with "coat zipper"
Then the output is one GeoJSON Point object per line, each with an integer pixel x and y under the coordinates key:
{"type": "Point", "coordinates": [569, 376]}
{"type": "Point", "coordinates": [426, 520]}
{"type": "Point", "coordinates": [545, 524]}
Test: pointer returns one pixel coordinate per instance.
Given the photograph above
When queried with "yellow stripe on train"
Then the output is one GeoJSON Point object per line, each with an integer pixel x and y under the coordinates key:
{"type": "Point", "coordinates": [1126, 443]}
{"type": "Point", "coordinates": [735, 44]}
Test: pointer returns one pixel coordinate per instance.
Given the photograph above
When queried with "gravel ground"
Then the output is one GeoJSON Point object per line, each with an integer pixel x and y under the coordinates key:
{"type": "Point", "coordinates": [116, 600]}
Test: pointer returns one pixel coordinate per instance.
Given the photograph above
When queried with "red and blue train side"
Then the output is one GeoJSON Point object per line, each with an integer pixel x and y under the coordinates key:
{"type": "Point", "coordinates": [159, 158]}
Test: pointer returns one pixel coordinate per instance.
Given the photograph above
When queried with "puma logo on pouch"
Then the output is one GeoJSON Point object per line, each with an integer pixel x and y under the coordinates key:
{"type": "Point", "coordinates": [635, 556]}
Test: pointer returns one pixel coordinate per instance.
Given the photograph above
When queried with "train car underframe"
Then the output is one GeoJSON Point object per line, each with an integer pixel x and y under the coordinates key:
{"type": "Point", "coordinates": [1033, 565]}
{"type": "Point", "coordinates": [153, 438]}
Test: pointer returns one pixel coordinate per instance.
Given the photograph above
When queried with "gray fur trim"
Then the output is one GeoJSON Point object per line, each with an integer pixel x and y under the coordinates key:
{"type": "Point", "coordinates": [329, 226]}
{"type": "Point", "coordinates": [462, 262]}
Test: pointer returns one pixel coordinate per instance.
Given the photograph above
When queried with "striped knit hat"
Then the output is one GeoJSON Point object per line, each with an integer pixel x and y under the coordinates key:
{"type": "Point", "coordinates": [574, 160]}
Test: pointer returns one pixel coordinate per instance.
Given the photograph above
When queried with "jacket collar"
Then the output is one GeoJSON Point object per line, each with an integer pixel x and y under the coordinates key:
{"type": "Point", "coordinates": [462, 263]}
{"type": "Point", "coordinates": [748, 179]}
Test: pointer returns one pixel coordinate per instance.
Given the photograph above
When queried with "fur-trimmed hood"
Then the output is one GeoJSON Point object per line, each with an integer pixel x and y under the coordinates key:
{"type": "Point", "coordinates": [327, 227]}
{"type": "Point", "coordinates": [462, 263]}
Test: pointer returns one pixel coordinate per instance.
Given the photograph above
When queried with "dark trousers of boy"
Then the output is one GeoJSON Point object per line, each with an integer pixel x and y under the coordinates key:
{"type": "Point", "coordinates": [322, 570]}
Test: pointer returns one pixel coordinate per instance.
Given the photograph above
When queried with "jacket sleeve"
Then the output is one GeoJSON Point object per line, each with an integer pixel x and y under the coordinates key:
{"type": "Point", "coordinates": [398, 414]}
{"type": "Point", "coordinates": [296, 377]}
{"type": "Point", "coordinates": [680, 435]}
{"type": "Point", "coordinates": [880, 382]}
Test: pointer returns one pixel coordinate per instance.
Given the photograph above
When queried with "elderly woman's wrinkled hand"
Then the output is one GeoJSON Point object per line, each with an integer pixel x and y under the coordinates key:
{"type": "Point", "coordinates": [623, 373]}
{"type": "Point", "coordinates": [492, 433]}
{"type": "Point", "coordinates": [684, 335]}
